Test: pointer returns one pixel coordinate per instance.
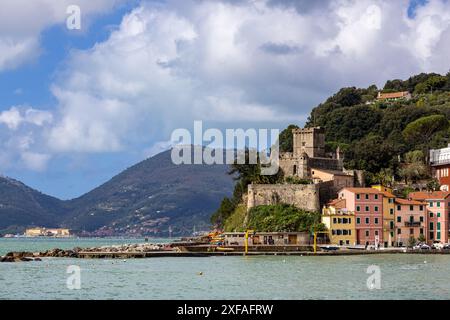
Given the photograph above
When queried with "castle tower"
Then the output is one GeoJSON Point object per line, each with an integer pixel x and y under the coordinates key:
{"type": "Point", "coordinates": [303, 170]}
{"type": "Point", "coordinates": [310, 141]}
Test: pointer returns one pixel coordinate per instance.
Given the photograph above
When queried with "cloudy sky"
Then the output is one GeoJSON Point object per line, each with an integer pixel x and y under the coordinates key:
{"type": "Point", "coordinates": [79, 106]}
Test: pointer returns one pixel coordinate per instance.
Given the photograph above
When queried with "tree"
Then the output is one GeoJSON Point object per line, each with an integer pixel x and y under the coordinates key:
{"type": "Point", "coordinates": [421, 131]}
{"type": "Point", "coordinates": [385, 177]}
{"type": "Point", "coordinates": [286, 139]}
{"type": "Point", "coordinates": [433, 185]}
{"type": "Point", "coordinates": [413, 167]}
{"type": "Point", "coordinates": [421, 238]}
{"type": "Point", "coordinates": [412, 242]}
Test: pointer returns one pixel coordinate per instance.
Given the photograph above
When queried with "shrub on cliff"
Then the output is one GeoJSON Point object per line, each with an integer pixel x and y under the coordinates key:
{"type": "Point", "coordinates": [282, 217]}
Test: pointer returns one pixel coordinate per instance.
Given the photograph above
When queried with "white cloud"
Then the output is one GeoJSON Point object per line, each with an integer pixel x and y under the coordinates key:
{"type": "Point", "coordinates": [18, 115]}
{"type": "Point", "coordinates": [246, 62]}
{"type": "Point", "coordinates": [35, 161]}
{"type": "Point", "coordinates": [22, 21]}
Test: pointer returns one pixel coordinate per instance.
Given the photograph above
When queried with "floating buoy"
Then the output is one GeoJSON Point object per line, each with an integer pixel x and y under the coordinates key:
{"type": "Point", "coordinates": [425, 261]}
{"type": "Point", "coordinates": [124, 260]}
{"type": "Point", "coordinates": [200, 273]}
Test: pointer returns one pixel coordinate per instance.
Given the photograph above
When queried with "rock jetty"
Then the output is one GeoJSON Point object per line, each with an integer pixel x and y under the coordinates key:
{"type": "Point", "coordinates": [24, 256]}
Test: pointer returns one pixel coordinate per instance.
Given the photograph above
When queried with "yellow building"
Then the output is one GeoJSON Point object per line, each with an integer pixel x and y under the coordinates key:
{"type": "Point", "coordinates": [388, 215]}
{"type": "Point", "coordinates": [44, 232]}
{"type": "Point", "coordinates": [340, 222]}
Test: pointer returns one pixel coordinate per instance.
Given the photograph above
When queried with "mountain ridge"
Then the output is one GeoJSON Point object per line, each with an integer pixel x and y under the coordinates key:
{"type": "Point", "coordinates": [152, 197]}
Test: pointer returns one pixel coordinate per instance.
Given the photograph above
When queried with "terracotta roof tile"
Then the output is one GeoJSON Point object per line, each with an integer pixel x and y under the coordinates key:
{"type": "Point", "coordinates": [421, 195]}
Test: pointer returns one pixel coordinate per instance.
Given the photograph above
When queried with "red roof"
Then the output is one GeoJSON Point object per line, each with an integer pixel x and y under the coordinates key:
{"type": "Point", "coordinates": [363, 190]}
{"type": "Point", "coordinates": [421, 195]}
{"type": "Point", "coordinates": [393, 95]}
{"type": "Point", "coordinates": [337, 203]}
{"type": "Point", "coordinates": [408, 202]}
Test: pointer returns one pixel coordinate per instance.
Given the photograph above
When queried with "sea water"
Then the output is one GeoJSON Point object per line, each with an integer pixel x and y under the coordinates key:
{"type": "Point", "coordinates": [401, 276]}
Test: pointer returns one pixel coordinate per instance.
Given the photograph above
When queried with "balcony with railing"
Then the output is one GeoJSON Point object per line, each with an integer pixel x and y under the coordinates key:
{"type": "Point", "coordinates": [413, 224]}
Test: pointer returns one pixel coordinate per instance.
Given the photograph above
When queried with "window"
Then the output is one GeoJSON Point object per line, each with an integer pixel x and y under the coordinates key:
{"type": "Point", "coordinates": [375, 208]}
{"type": "Point", "coordinates": [376, 197]}
{"type": "Point", "coordinates": [345, 232]}
{"type": "Point", "coordinates": [399, 207]}
{"type": "Point", "coordinates": [411, 208]}
{"type": "Point", "coordinates": [367, 196]}
{"type": "Point", "coordinates": [438, 227]}
{"type": "Point", "coordinates": [391, 200]}
{"type": "Point", "coordinates": [431, 235]}
{"type": "Point", "coordinates": [367, 221]}
{"type": "Point", "coordinates": [358, 196]}
{"type": "Point", "coordinates": [334, 220]}
{"type": "Point", "coordinates": [350, 232]}
{"type": "Point", "coordinates": [358, 208]}
{"type": "Point", "coordinates": [411, 231]}
{"type": "Point", "coordinates": [339, 232]}
{"type": "Point", "coordinates": [367, 208]}
{"type": "Point", "coordinates": [438, 235]}
{"type": "Point", "coordinates": [438, 204]}
{"type": "Point", "coordinates": [376, 220]}
{"type": "Point", "coordinates": [344, 220]}
{"type": "Point", "coordinates": [421, 230]}
{"type": "Point", "coordinates": [349, 220]}
{"type": "Point", "coordinates": [399, 219]}
{"type": "Point", "coordinates": [391, 224]}
{"type": "Point", "coordinates": [438, 214]}
{"type": "Point", "coordinates": [431, 226]}
{"type": "Point", "coordinates": [367, 233]}
{"type": "Point", "coordinates": [431, 204]}
{"type": "Point", "coordinates": [391, 211]}
{"type": "Point", "coordinates": [376, 232]}
{"type": "Point", "coordinates": [431, 214]}
{"type": "Point", "coordinates": [358, 220]}
{"type": "Point", "coordinates": [421, 207]}
{"type": "Point", "coordinates": [399, 231]}
{"type": "Point", "coordinates": [421, 219]}
{"type": "Point", "coordinates": [333, 232]}
{"type": "Point", "coordinates": [339, 220]}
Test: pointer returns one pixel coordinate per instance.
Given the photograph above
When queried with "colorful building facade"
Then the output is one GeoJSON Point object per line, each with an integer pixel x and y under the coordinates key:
{"type": "Point", "coordinates": [437, 205]}
{"type": "Point", "coordinates": [367, 205]}
{"type": "Point", "coordinates": [410, 221]}
{"type": "Point", "coordinates": [340, 222]}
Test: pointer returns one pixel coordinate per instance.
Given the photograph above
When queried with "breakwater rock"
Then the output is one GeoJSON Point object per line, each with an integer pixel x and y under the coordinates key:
{"type": "Point", "coordinates": [24, 256]}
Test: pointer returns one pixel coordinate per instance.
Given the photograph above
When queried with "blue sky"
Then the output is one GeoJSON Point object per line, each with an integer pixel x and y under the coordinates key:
{"type": "Point", "coordinates": [79, 106]}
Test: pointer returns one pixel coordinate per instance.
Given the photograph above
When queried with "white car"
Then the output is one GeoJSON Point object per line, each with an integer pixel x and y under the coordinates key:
{"type": "Point", "coordinates": [438, 246]}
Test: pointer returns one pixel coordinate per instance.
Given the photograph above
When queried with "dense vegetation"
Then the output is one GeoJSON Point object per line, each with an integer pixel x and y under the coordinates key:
{"type": "Point", "coordinates": [388, 138]}
{"type": "Point", "coordinates": [282, 217]}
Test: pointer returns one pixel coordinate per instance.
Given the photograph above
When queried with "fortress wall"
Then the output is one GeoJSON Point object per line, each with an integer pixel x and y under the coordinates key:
{"type": "Point", "coordinates": [326, 163]}
{"type": "Point", "coordinates": [306, 197]}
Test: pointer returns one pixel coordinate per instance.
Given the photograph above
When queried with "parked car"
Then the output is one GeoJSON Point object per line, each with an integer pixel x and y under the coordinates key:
{"type": "Point", "coordinates": [421, 246]}
{"type": "Point", "coordinates": [446, 246]}
{"type": "Point", "coordinates": [437, 245]}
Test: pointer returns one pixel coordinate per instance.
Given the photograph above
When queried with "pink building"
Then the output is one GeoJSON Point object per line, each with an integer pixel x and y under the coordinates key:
{"type": "Point", "coordinates": [367, 204]}
{"type": "Point", "coordinates": [437, 214]}
{"type": "Point", "coordinates": [410, 220]}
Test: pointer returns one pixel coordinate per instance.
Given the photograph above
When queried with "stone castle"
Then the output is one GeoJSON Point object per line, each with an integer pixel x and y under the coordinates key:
{"type": "Point", "coordinates": [322, 174]}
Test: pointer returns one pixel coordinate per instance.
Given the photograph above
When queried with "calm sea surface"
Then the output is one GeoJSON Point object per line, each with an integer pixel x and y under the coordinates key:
{"type": "Point", "coordinates": [270, 277]}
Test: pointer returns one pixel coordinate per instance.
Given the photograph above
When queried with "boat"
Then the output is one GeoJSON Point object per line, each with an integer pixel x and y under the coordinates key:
{"type": "Point", "coordinates": [224, 249]}
{"type": "Point", "coordinates": [329, 248]}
